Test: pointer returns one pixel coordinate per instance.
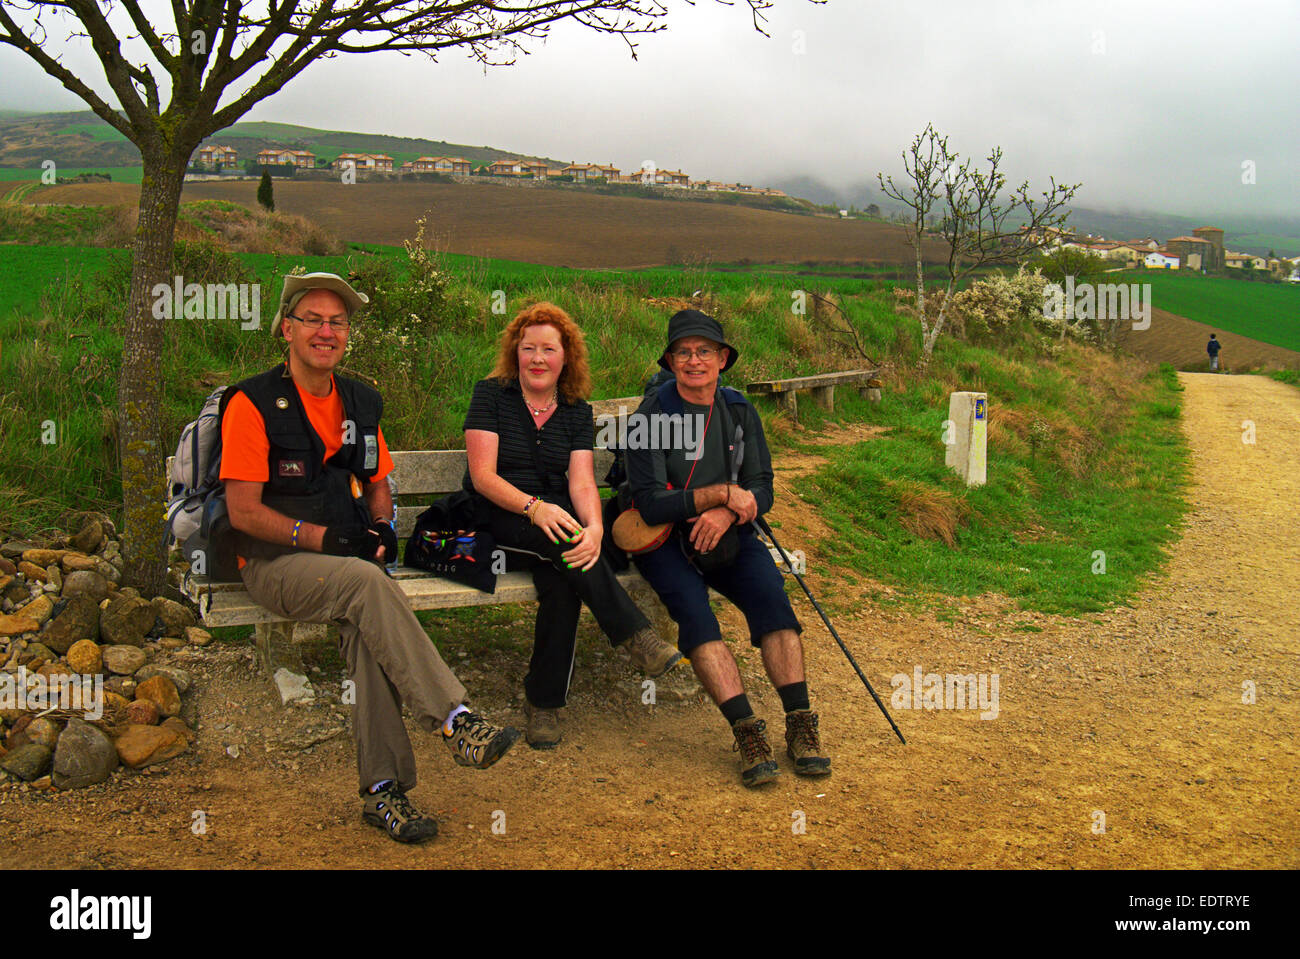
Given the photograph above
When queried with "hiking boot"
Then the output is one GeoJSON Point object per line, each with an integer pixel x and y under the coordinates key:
{"type": "Point", "coordinates": [803, 745]}
{"type": "Point", "coordinates": [756, 763]}
{"type": "Point", "coordinates": [474, 741]}
{"type": "Point", "coordinates": [391, 811]}
{"type": "Point", "coordinates": [543, 726]}
{"type": "Point", "coordinates": [651, 654]}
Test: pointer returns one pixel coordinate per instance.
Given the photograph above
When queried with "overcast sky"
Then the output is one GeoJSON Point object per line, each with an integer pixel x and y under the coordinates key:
{"type": "Point", "coordinates": [1152, 105]}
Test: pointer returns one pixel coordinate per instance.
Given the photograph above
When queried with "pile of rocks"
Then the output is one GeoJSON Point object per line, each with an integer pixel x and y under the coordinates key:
{"type": "Point", "coordinates": [79, 691]}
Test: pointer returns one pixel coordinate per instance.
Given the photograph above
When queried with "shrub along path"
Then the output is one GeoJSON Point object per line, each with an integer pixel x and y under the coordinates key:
{"type": "Point", "coordinates": [1135, 715]}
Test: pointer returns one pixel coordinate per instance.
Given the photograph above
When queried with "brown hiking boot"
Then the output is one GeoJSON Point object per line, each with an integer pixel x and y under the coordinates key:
{"type": "Point", "coordinates": [803, 745]}
{"type": "Point", "coordinates": [756, 763]}
{"type": "Point", "coordinates": [391, 811]}
{"type": "Point", "coordinates": [475, 742]}
{"type": "Point", "coordinates": [543, 730]}
{"type": "Point", "coordinates": [650, 653]}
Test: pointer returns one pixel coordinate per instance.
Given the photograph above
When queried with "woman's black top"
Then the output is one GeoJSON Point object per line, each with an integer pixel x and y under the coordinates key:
{"type": "Point", "coordinates": [499, 408]}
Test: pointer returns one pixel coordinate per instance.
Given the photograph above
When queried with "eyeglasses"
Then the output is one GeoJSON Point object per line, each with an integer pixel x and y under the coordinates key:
{"type": "Point", "coordinates": [340, 326]}
{"type": "Point", "coordinates": [704, 352]}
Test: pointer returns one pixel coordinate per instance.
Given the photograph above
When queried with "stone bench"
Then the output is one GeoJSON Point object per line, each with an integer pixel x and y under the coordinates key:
{"type": "Point", "coordinates": [822, 386]}
{"type": "Point", "coordinates": [421, 476]}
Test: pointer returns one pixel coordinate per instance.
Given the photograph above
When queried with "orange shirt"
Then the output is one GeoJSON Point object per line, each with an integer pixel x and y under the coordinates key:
{"type": "Point", "coordinates": [245, 447]}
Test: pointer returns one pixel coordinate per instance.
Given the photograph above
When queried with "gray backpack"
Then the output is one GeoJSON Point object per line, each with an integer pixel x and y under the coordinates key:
{"type": "Point", "coordinates": [196, 498]}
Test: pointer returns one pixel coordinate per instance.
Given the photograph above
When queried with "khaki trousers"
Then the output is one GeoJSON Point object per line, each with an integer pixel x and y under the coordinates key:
{"type": "Point", "coordinates": [388, 655]}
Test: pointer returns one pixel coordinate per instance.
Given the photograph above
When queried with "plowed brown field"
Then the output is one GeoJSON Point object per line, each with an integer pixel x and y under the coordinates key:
{"type": "Point", "coordinates": [1180, 341]}
{"type": "Point", "coordinates": [552, 227]}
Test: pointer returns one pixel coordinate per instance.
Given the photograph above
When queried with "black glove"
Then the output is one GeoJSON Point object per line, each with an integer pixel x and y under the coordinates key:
{"type": "Point", "coordinates": [354, 540]}
{"type": "Point", "coordinates": [388, 537]}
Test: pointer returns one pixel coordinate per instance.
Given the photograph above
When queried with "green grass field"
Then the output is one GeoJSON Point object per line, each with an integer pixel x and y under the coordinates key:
{"type": "Point", "coordinates": [1088, 452]}
{"type": "Point", "coordinates": [266, 130]}
{"type": "Point", "coordinates": [31, 272]}
{"type": "Point", "coordinates": [38, 266]}
{"type": "Point", "coordinates": [1269, 312]}
{"type": "Point", "coordinates": [99, 131]}
{"type": "Point", "coordinates": [120, 174]}
{"type": "Point", "coordinates": [1281, 245]}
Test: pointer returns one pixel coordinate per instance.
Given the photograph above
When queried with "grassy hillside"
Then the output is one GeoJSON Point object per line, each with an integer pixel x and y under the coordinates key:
{"type": "Point", "coordinates": [227, 225]}
{"type": "Point", "coordinates": [250, 137]}
{"type": "Point", "coordinates": [1085, 450]}
{"type": "Point", "coordinates": [80, 138]}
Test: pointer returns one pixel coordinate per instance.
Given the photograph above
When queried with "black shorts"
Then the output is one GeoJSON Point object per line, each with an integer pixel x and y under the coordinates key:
{"type": "Point", "coordinates": [752, 581]}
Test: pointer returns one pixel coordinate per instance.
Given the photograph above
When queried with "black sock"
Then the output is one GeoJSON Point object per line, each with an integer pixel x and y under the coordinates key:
{"type": "Point", "coordinates": [736, 708]}
{"type": "Point", "coordinates": [794, 696]}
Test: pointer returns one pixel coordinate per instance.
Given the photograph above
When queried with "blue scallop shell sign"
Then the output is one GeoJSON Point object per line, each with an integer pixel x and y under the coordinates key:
{"type": "Point", "coordinates": [979, 408]}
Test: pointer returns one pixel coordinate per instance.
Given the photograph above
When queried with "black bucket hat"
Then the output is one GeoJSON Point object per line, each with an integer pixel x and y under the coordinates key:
{"type": "Point", "coordinates": [694, 323]}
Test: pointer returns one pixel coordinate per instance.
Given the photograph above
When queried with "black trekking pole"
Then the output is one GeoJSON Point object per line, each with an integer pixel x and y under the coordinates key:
{"type": "Point", "coordinates": [737, 451]}
{"type": "Point", "coordinates": [761, 524]}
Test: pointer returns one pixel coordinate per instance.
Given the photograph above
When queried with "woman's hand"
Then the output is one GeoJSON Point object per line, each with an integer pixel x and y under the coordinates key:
{"type": "Point", "coordinates": [554, 521]}
{"type": "Point", "coordinates": [586, 548]}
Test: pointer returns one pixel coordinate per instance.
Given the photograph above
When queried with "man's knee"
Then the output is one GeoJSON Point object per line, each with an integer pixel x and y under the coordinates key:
{"type": "Point", "coordinates": [710, 651]}
{"type": "Point", "coordinates": [363, 581]}
{"type": "Point", "coordinates": [779, 637]}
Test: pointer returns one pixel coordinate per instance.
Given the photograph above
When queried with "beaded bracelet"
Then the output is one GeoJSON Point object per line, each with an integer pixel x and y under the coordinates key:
{"type": "Point", "coordinates": [530, 504]}
{"type": "Point", "coordinates": [293, 537]}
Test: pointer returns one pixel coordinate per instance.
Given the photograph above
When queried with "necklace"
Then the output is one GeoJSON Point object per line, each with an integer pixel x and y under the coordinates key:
{"type": "Point", "coordinates": [535, 411]}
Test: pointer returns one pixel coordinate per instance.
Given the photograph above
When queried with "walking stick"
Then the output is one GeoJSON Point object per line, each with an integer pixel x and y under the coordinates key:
{"type": "Point", "coordinates": [761, 524]}
{"type": "Point", "coordinates": [737, 450]}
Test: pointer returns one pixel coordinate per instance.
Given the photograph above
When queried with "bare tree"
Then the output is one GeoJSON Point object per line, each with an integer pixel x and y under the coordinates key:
{"type": "Point", "coordinates": [979, 224]}
{"type": "Point", "coordinates": [212, 64]}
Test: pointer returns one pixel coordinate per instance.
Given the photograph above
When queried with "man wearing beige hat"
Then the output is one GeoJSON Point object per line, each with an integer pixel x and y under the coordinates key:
{"type": "Point", "coordinates": [305, 467]}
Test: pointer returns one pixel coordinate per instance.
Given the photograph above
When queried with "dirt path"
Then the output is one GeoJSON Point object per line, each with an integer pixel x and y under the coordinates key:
{"type": "Point", "coordinates": [1137, 715]}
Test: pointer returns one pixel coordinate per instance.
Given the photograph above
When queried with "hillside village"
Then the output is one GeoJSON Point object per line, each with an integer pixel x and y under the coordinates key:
{"type": "Point", "coordinates": [218, 158]}
{"type": "Point", "coordinates": [1202, 252]}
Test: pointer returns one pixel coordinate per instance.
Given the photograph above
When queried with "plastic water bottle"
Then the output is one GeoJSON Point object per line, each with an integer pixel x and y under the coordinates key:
{"type": "Point", "coordinates": [392, 488]}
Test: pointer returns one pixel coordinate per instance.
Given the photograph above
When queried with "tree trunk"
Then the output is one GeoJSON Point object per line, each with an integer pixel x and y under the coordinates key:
{"type": "Point", "coordinates": [139, 391]}
{"type": "Point", "coordinates": [920, 283]}
{"type": "Point", "coordinates": [932, 335]}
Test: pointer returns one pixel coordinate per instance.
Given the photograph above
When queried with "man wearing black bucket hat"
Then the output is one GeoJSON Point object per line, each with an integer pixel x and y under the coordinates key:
{"type": "Point", "coordinates": [712, 490]}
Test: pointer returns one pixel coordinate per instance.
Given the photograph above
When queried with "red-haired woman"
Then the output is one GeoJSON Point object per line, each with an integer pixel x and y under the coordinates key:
{"type": "Point", "coordinates": [529, 434]}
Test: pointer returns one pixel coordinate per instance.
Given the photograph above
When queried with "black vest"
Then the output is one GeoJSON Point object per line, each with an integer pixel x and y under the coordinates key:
{"type": "Point", "coordinates": [300, 483]}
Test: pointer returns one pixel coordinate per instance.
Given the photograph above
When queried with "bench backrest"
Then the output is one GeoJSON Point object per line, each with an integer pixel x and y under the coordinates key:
{"type": "Point", "coordinates": [424, 475]}
{"type": "Point", "coordinates": [811, 382]}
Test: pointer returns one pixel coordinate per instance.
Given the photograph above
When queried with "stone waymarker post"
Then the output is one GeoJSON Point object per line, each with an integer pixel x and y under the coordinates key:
{"type": "Point", "coordinates": [967, 436]}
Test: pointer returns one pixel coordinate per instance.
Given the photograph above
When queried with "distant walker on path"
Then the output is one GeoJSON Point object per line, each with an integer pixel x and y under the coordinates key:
{"type": "Point", "coordinates": [1213, 348]}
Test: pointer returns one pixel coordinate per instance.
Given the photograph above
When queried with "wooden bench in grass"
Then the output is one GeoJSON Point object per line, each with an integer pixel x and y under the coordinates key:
{"type": "Point", "coordinates": [421, 476]}
{"type": "Point", "coordinates": [822, 386]}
